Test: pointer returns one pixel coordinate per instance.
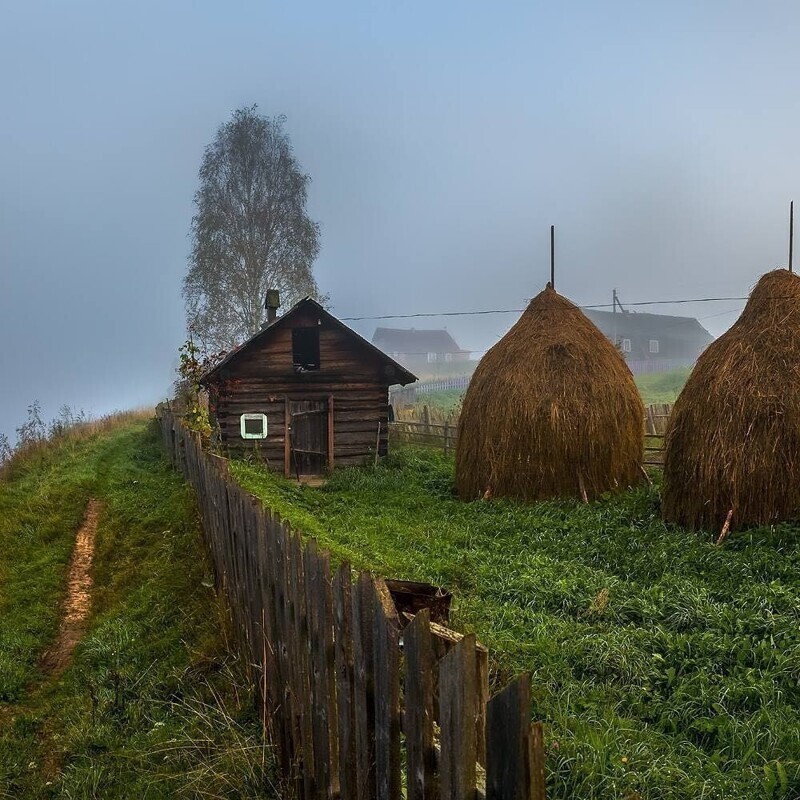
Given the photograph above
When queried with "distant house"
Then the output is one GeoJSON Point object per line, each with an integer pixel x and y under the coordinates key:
{"type": "Point", "coordinates": [307, 392]}
{"type": "Point", "coordinates": [653, 342]}
{"type": "Point", "coordinates": [422, 351]}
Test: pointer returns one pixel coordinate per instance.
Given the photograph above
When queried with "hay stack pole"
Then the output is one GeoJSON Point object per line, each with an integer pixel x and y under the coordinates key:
{"type": "Point", "coordinates": [733, 441]}
{"type": "Point", "coordinates": [551, 411]}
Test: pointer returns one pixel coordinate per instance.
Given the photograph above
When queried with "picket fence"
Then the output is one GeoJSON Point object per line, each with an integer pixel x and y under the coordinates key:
{"type": "Point", "coordinates": [360, 702]}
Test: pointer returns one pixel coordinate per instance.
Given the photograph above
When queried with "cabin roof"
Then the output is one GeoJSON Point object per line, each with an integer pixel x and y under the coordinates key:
{"type": "Point", "coordinates": [402, 375]}
{"type": "Point", "coordinates": [412, 341]}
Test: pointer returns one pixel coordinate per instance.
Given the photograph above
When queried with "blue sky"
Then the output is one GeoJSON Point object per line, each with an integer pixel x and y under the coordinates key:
{"type": "Point", "coordinates": [442, 140]}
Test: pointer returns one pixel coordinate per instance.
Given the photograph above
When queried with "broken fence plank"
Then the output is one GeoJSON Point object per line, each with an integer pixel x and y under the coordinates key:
{"type": "Point", "coordinates": [421, 755]}
{"type": "Point", "coordinates": [458, 711]}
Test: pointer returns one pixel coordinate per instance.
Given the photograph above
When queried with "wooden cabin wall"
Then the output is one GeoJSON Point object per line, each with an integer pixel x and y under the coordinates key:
{"type": "Point", "coordinates": [260, 380]}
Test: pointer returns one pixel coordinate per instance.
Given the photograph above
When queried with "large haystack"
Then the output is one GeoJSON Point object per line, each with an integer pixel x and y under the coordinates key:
{"type": "Point", "coordinates": [733, 441]}
{"type": "Point", "coordinates": [551, 411]}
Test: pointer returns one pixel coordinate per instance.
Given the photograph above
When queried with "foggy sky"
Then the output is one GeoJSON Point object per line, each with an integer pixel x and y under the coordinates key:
{"type": "Point", "coordinates": [442, 140]}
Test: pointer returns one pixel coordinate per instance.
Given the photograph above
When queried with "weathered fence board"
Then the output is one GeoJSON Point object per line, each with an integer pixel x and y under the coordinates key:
{"type": "Point", "coordinates": [339, 673]}
{"type": "Point", "coordinates": [458, 704]}
{"type": "Point", "coordinates": [418, 646]}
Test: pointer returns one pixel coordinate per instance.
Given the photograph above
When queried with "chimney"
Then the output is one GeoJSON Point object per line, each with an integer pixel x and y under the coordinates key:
{"type": "Point", "coordinates": [272, 303]}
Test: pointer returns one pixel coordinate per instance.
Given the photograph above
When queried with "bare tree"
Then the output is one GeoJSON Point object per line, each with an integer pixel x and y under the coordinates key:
{"type": "Point", "coordinates": [250, 232]}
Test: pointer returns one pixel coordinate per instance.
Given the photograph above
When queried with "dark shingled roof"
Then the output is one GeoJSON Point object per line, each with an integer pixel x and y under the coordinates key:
{"type": "Point", "coordinates": [403, 376]}
{"type": "Point", "coordinates": [411, 340]}
{"type": "Point", "coordinates": [678, 337]}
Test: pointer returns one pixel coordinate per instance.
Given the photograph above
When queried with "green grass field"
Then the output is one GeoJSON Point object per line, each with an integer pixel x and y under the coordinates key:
{"type": "Point", "coordinates": [663, 666]}
{"type": "Point", "coordinates": [663, 387]}
{"type": "Point", "coordinates": [152, 706]}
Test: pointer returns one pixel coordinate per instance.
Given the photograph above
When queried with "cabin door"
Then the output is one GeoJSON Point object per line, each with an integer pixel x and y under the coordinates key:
{"type": "Point", "coordinates": [308, 435]}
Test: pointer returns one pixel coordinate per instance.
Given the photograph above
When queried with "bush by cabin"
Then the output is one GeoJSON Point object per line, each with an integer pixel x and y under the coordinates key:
{"type": "Point", "coordinates": [305, 392]}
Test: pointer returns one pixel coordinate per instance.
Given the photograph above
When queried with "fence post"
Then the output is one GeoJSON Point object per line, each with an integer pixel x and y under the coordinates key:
{"type": "Point", "coordinates": [457, 713]}
{"type": "Point", "coordinates": [385, 630]}
{"type": "Point", "coordinates": [419, 710]}
{"type": "Point", "coordinates": [345, 680]}
{"type": "Point", "coordinates": [364, 705]}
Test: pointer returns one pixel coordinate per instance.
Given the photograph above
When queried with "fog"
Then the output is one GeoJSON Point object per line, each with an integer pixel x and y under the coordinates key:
{"type": "Point", "coordinates": [442, 140]}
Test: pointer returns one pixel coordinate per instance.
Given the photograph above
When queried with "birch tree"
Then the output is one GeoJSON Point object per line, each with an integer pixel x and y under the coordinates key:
{"type": "Point", "coordinates": [250, 232]}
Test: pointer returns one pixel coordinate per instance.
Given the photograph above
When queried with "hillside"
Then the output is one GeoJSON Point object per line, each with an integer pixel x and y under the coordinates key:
{"type": "Point", "coordinates": [150, 704]}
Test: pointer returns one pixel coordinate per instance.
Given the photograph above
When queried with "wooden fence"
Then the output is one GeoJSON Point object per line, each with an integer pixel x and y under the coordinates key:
{"type": "Point", "coordinates": [361, 702]}
{"type": "Point", "coordinates": [443, 434]}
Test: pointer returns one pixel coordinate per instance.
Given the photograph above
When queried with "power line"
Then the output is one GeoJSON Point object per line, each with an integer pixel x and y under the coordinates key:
{"type": "Point", "coordinates": [520, 310]}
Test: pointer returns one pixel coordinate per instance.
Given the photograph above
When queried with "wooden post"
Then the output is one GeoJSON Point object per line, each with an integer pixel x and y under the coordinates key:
{"type": "Point", "coordinates": [387, 694]}
{"type": "Point", "coordinates": [419, 709]}
{"type": "Point", "coordinates": [507, 768]}
{"type": "Point", "coordinates": [364, 694]}
{"type": "Point", "coordinates": [287, 455]}
{"type": "Point", "coordinates": [457, 712]}
{"type": "Point", "coordinates": [446, 434]}
{"type": "Point", "coordinates": [331, 437]}
{"type": "Point", "coordinates": [553, 256]}
{"type": "Point", "coordinates": [345, 680]}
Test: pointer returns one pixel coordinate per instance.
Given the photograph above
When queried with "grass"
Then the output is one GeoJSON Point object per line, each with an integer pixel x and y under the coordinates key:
{"type": "Point", "coordinates": [663, 666]}
{"type": "Point", "coordinates": [152, 707]}
{"type": "Point", "coordinates": [660, 387]}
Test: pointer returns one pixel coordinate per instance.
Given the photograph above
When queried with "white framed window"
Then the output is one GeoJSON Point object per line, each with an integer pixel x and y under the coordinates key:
{"type": "Point", "coordinates": [448, 356]}
{"type": "Point", "coordinates": [626, 345]}
{"type": "Point", "coordinates": [253, 426]}
{"type": "Point", "coordinates": [431, 357]}
{"type": "Point", "coordinates": [654, 345]}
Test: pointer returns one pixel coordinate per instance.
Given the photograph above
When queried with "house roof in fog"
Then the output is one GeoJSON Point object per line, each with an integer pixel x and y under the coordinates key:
{"type": "Point", "coordinates": [677, 336]}
{"type": "Point", "coordinates": [413, 341]}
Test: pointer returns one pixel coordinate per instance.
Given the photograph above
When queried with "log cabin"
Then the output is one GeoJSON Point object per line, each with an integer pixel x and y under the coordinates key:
{"type": "Point", "coordinates": [305, 392]}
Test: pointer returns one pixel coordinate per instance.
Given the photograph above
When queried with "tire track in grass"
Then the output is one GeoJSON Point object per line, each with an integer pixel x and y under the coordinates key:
{"type": "Point", "coordinates": [78, 601]}
{"type": "Point", "coordinates": [75, 609]}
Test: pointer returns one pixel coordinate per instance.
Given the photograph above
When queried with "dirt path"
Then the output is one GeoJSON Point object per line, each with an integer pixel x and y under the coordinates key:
{"type": "Point", "coordinates": [78, 602]}
{"type": "Point", "coordinates": [75, 610]}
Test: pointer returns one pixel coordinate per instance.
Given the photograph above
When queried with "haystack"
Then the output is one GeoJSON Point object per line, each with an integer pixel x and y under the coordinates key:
{"type": "Point", "coordinates": [551, 411]}
{"type": "Point", "coordinates": [733, 441]}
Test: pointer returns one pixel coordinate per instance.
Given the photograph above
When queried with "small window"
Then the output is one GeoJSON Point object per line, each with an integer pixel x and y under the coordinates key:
{"type": "Point", "coordinates": [305, 349]}
{"type": "Point", "coordinates": [448, 356]}
{"type": "Point", "coordinates": [253, 426]}
{"type": "Point", "coordinates": [654, 345]}
{"type": "Point", "coordinates": [626, 345]}
{"type": "Point", "coordinates": [431, 357]}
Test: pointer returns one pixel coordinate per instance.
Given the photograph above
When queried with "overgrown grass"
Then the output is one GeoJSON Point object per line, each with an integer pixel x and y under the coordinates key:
{"type": "Point", "coordinates": [664, 667]}
{"type": "Point", "coordinates": [152, 705]}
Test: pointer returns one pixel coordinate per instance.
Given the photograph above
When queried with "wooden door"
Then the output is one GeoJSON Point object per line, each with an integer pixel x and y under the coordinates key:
{"type": "Point", "coordinates": [308, 434]}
